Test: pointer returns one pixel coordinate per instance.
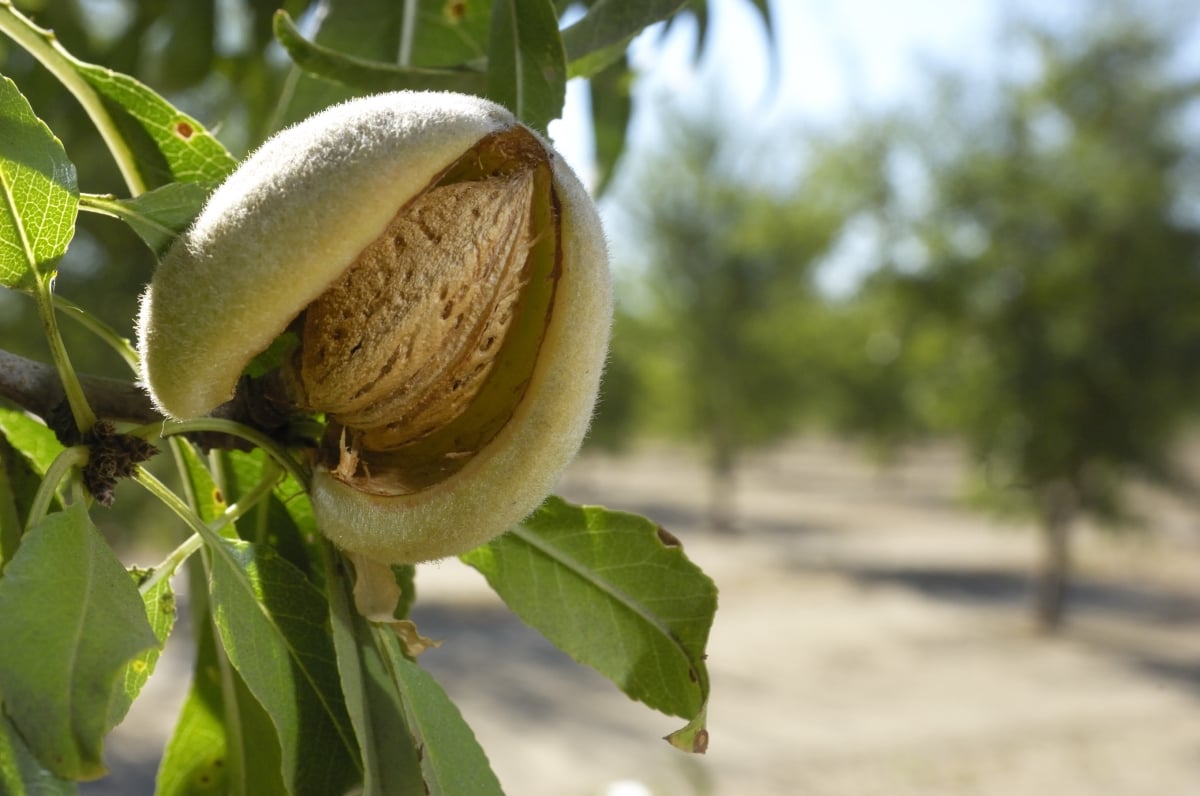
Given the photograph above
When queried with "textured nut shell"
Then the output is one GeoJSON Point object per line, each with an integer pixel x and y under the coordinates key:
{"type": "Point", "coordinates": [284, 226]}
{"type": "Point", "coordinates": [518, 468]}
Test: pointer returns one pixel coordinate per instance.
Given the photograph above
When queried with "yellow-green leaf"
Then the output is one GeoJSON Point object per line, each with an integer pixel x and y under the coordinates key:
{"type": "Point", "coordinates": [20, 772]}
{"type": "Point", "coordinates": [38, 195]}
{"type": "Point", "coordinates": [273, 624]}
{"type": "Point", "coordinates": [169, 145]}
{"type": "Point", "coordinates": [158, 216]}
{"type": "Point", "coordinates": [71, 619]}
{"type": "Point", "coordinates": [160, 612]}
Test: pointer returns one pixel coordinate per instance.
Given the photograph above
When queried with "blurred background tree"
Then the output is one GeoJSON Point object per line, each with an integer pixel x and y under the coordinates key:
{"type": "Point", "coordinates": [1033, 281]}
{"type": "Point", "coordinates": [1035, 260]}
{"type": "Point", "coordinates": [1056, 251]}
{"type": "Point", "coordinates": [880, 384]}
{"type": "Point", "coordinates": [722, 327]}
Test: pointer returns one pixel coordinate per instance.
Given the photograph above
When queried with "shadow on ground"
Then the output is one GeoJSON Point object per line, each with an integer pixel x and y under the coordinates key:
{"type": "Point", "coordinates": [1005, 587]}
{"type": "Point", "coordinates": [1093, 605]}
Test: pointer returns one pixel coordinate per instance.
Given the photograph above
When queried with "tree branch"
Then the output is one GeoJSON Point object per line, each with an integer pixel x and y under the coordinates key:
{"type": "Point", "coordinates": [36, 387]}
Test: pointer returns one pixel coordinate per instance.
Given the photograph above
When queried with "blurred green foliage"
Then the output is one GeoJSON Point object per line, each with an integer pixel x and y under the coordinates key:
{"type": "Point", "coordinates": [1051, 293]}
{"type": "Point", "coordinates": [1034, 286]}
{"type": "Point", "coordinates": [1058, 251]}
{"type": "Point", "coordinates": [720, 324]}
{"type": "Point", "coordinates": [1035, 289]}
{"type": "Point", "coordinates": [1059, 254]}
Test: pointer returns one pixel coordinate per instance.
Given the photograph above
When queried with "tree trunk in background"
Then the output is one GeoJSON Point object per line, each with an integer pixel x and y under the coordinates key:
{"type": "Point", "coordinates": [722, 492]}
{"type": "Point", "coordinates": [1059, 505]}
{"type": "Point", "coordinates": [722, 483]}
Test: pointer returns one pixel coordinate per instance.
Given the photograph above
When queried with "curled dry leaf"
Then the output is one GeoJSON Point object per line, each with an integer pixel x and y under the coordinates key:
{"type": "Point", "coordinates": [411, 639]}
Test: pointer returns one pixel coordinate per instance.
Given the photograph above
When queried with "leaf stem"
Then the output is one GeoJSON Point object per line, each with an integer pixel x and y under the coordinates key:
{"type": "Point", "coordinates": [81, 410]}
{"type": "Point", "coordinates": [177, 455]}
{"type": "Point", "coordinates": [222, 426]}
{"type": "Point", "coordinates": [153, 231]}
{"type": "Point", "coordinates": [44, 46]}
{"type": "Point", "coordinates": [166, 568]}
{"type": "Point", "coordinates": [76, 456]}
{"type": "Point", "coordinates": [231, 514]}
{"type": "Point", "coordinates": [173, 502]}
{"type": "Point", "coordinates": [103, 204]}
{"type": "Point", "coordinates": [204, 624]}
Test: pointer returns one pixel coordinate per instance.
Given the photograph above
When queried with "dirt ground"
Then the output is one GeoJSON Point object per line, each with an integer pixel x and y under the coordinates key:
{"type": "Point", "coordinates": [872, 638]}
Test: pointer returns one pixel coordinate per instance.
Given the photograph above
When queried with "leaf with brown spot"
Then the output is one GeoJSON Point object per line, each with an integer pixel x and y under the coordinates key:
{"type": "Point", "coordinates": [693, 738]}
{"type": "Point", "coordinates": [668, 539]}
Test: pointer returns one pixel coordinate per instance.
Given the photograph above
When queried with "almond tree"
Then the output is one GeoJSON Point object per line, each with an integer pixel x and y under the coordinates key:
{"type": "Point", "coordinates": [725, 323]}
{"type": "Point", "coordinates": [435, 227]}
{"type": "Point", "coordinates": [1060, 257]}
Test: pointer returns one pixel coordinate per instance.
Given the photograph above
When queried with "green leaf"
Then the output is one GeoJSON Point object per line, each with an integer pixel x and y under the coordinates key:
{"type": "Point", "coordinates": [283, 521]}
{"type": "Point", "coordinates": [31, 437]}
{"type": "Point", "coordinates": [220, 710]}
{"type": "Point", "coordinates": [160, 612]}
{"type": "Point", "coordinates": [274, 356]}
{"type": "Point", "coordinates": [199, 487]}
{"type": "Point", "coordinates": [262, 769]}
{"type": "Point", "coordinates": [602, 34]}
{"type": "Point", "coordinates": [612, 108]}
{"type": "Point", "coordinates": [18, 485]}
{"type": "Point", "coordinates": [13, 471]}
{"type": "Point", "coordinates": [169, 145]}
{"type": "Point", "coordinates": [451, 758]}
{"type": "Point", "coordinates": [71, 619]}
{"type": "Point", "coordinates": [446, 33]}
{"type": "Point", "coordinates": [198, 760]}
{"type": "Point", "coordinates": [367, 75]}
{"type": "Point", "coordinates": [415, 34]}
{"type": "Point", "coordinates": [158, 216]}
{"type": "Point", "coordinates": [195, 759]}
{"type": "Point", "coordinates": [273, 625]}
{"type": "Point", "coordinates": [237, 473]}
{"type": "Point", "coordinates": [391, 762]}
{"type": "Point", "coordinates": [614, 591]}
{"type": "Point", "coordinates": [152, 142]}
{"type": "Point", "coordinates": [527, 70]}
{"type": "Point", "coordinates": [27, 447]}
{"type": "Point", "coordinates": [20, 772]}
{"type": "Point", "coordinates": [40, 197]}
{"type": "Point", "coordinates": [293, 498]}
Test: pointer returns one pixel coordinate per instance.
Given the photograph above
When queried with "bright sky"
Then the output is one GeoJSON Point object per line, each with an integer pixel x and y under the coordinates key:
{"type": "Point", "coordinates": [834, 58]}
